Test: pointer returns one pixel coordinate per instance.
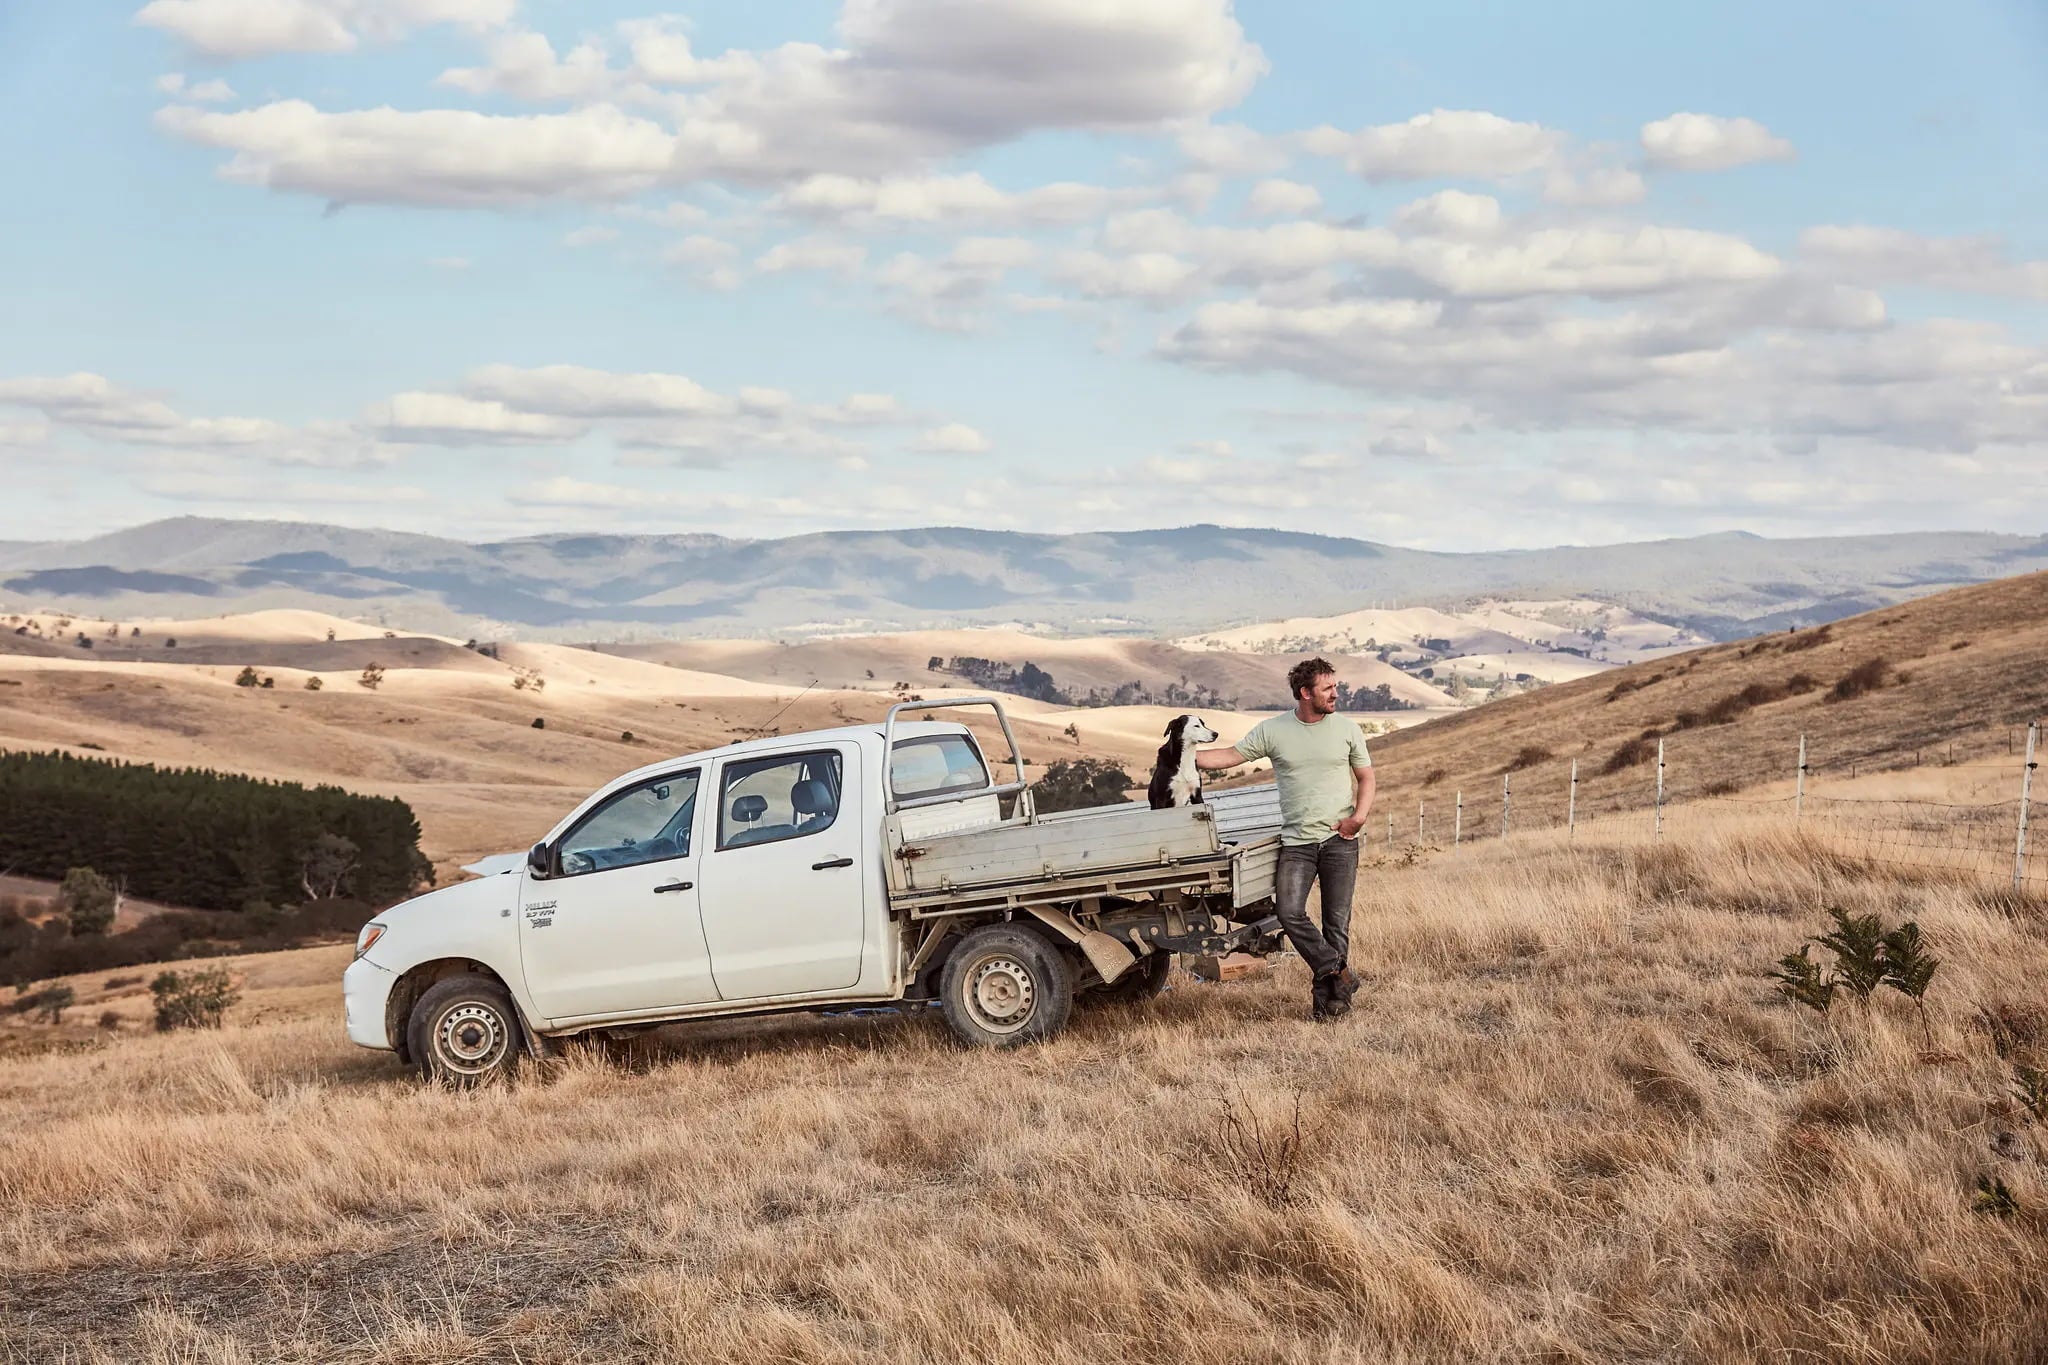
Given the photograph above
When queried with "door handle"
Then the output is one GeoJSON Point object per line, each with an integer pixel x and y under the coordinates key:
{"type": "Point", "coordinates": [831, 862]}
{"type": "Point", "coordinates": [674, 886]}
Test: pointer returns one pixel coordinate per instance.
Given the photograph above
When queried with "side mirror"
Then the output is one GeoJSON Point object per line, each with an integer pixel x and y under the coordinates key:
{"type": "Point", "coordinates": [537, 859]}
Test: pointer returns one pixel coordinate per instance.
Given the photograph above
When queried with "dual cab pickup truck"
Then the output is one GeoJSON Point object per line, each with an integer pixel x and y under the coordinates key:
{"type": "Point", "coordinates": [814, 871]}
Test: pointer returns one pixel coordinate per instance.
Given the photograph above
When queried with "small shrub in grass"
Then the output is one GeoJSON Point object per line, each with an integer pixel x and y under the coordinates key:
{"type": "Point", "coordinates": [1433, 776]}
{"type": "Point", "coordinates": [1808, 640]}
{"type": "Point", "coordinates": [2030, 1088]}
{"type": "Point", "coordinates": [1262, 1152]}
{"type": "Point", "coordinates": [1632, 753]}
{"type": "Point", "coordinates": [194, 999]}
{"type": "Point", "coordinates": [120, 983]}
{"type": "Point", "coordinates": [1864, 678]}
{"type": "Point", "coordinates": [248, 677]}
{"type": "Point", "coordinates": [1867, 956]}
{"type": "Point", "coordinates": [1528, 756]}
{"type": "Point", "coordinates": [50, 1002]}
{"type": "Point", "coordinates": [110, 1019]}
{"type": "Point", "coordinates": [625, 736]}
{"type": "Point", "coordinates": [1993, 1197]}
{"type": "Point", "coordinates": [313, 684]}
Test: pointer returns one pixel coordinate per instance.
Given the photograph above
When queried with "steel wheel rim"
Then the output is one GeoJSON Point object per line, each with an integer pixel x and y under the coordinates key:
{"type": "Point", "coordinates": [1001, 995]}
{"type": "Point", "coordinates": [471, 1038]}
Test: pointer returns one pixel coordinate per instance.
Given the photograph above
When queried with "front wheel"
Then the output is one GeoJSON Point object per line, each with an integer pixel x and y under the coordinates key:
{"type": "Point", "coordinates": [1005, 986]}
{"type": "Point", "coordinates": [464, 1031]}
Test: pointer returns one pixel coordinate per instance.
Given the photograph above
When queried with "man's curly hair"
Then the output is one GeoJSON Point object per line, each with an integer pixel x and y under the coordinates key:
{"type": "Point", "coordinates": [1305, 673]}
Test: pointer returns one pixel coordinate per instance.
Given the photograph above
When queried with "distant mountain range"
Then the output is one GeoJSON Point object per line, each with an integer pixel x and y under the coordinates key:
{"type": "Point", "coordinates": [1195, 578]}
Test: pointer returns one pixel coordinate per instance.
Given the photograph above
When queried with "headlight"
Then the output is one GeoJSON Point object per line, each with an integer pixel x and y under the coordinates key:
{"type": "Point", "coordinates": [367, 939]}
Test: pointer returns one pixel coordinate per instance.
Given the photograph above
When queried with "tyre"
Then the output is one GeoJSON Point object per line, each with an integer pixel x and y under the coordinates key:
{"type": "Point", "coordinates": [464, 1031]}
{"type": "Point", "coordinates": [1004, 986]}
{"type": "Point", "coordinates": [1141, 981]}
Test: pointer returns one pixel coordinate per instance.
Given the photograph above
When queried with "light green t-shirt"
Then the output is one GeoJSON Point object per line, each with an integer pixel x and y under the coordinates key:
{"type": "Point", "coordinates": [1313, 764]}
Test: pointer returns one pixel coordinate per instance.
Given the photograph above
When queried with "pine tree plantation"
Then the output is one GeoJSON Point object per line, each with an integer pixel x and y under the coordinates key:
{"type": "Point", "coordinates": [196, 837]}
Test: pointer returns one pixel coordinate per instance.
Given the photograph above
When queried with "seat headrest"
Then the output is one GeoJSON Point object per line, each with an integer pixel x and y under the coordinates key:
{"type": "Point", "coordinates": [811, 797]}
{"type": "Point", "coordinates": [749, 808]}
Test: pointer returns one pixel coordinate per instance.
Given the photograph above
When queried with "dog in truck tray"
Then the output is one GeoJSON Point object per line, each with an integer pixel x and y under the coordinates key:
{"type": "Point", "coordinates": [1175, 779]}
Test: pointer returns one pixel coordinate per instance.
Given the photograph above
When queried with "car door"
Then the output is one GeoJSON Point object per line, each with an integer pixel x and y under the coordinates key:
{"type": "Point", "coordinates": [616, 927]}
{"type": "Point", "coordinates": [785, 884]}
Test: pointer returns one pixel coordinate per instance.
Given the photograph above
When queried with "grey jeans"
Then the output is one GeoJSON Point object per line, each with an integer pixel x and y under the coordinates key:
{"type": "Point", "coordinates": [1334, 862]}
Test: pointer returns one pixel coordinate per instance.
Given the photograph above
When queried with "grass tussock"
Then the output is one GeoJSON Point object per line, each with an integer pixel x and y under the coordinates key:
{"type": "Point", "coordinates": [1568, 1118]}
{"type": "Point", "coordinates": [1863, 679]}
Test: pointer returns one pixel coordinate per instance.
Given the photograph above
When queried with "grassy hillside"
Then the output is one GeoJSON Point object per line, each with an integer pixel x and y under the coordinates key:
{"type": "Point", "coordinates": [1960, 668]}
{"type": "Point", "coordinates": [1568, 1121]}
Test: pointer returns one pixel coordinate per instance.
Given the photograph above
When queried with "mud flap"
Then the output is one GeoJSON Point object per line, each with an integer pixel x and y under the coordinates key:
{"type": "Point", "coordinates": [1109, 958]}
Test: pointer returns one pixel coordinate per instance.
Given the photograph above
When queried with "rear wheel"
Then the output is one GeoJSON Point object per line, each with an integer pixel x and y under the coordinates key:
{"type": "Point", "coordinates": [464, 1031]}
{"type": "Point", "coordinates": [1004, 986]}
{"type": "Point", "coordinates": [1141, 981]}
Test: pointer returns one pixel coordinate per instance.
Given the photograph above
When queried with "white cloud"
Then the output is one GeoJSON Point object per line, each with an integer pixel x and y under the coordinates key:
{"type": "Point", "coordinates": [443, 157]}
{"type": "Point", "coordinates": [1594, 187]}
{"type": "Point", "coordinates": [255, 28]}
{"type": "Point", "coordinates": [1442, 144]}
{"type": "Point", "coordinates": [1451, 213]}
{"type": "Point", "coordinates": [1153, 276]}
{"type": "Point", "coordinates": [1875, 255]}
{"type": "Point", "coordinates": [580, 392]}
{"type": "Point", "coordinates": [595, 234]}
{"type": "Point", "coordinates": [954, 438]}
{"type": "Point", "coordinates": [1705, 142]}
{"type": "Point", "coordinates": [895, 201]}
{"type": "Point", "coordinates": [205, 92]}
{"type": "Point", "coordinates": [1233, 149]}
{"type": "Point", "coordinates": [450, 419]}
{"type": "Point", "coordinates": [812, 253]}
{"type": "Point", "coordinates": [1282, 199]}
{"type": "Point", "coordinates": [916, 80]}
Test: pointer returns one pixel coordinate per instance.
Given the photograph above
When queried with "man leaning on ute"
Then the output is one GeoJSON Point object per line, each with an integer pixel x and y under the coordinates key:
{"type": "Point", "coordinates": [1326, 786]}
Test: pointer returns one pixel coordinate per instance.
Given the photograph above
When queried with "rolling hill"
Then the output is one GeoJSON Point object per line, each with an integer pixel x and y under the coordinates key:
{"type": "Point", "coordinates": [1945, 678]}
{"type": "Point", "coordinates": [1178, 581]}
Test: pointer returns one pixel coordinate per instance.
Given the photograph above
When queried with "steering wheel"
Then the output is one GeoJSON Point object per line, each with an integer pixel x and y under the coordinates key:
{"type": "Point", "coordinates": [574, 863]}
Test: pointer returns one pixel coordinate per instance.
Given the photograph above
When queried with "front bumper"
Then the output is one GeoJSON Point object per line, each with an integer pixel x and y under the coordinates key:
{"type": "Point", "coordinates": [365, 992]}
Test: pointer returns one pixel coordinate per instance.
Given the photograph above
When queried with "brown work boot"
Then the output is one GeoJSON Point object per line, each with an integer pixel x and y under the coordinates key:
{"type": "Point", "coordinates": [1344, 984]}
{"type": "Point", "coordinates": [1328, 999]}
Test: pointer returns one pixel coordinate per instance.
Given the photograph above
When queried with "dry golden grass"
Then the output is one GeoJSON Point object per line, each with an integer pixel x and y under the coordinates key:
{"type": "Point", "coordinates": [1568, 1121]}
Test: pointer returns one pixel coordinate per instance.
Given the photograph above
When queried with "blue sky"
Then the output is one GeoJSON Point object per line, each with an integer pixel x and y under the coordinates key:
{"type": "Point", "coordinates": [1457, 276]}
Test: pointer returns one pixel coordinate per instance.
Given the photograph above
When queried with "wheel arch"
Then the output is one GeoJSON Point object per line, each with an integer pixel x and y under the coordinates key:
{"type": "Point", "coordinates": [417, 979]}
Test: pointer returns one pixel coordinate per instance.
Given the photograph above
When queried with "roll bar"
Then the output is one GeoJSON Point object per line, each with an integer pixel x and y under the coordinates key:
{"type": "Point", "coordinates": [890, 803]}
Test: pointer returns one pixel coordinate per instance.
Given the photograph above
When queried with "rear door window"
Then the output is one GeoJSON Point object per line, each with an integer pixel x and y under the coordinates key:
{"type": "Point", "coordinates": [784, 797]}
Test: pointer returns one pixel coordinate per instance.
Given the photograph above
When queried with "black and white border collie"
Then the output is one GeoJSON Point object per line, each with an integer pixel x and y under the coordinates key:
{"type": "Point", "coordinates": [1175, 779]}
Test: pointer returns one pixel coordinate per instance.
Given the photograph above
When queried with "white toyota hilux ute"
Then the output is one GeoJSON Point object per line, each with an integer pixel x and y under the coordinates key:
{"type": "Point", "coordinates": [812, 871]}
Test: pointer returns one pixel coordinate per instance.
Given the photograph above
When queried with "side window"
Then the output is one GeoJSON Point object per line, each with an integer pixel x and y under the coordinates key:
{"type": "Point", "coordinates": [932, 765]}
{"type": "Point", "coordinates": [784, 797]}
{"type": "Point", "coordinates": [644, 824]}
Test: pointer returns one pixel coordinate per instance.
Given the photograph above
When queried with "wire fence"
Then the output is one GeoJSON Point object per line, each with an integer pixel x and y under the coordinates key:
{"type": "Point", "coordinates": [2002, 839]}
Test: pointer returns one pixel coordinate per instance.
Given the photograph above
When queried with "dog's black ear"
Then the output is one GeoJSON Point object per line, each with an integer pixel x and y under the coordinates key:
{"type": "Point", "coordinates": [1175, 726]}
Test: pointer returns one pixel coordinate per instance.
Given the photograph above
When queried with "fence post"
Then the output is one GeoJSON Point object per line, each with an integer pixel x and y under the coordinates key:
{"type": "Point", "coordinates": [1458, 822]}
{"type": "Point", "coordinates": [1418, 821]}
{"type": "Point", "coordinates": [1571, 806]}
{"type": "Point", "coordinates": [1507, 804]}
{"type": "Point", "coordinates": [1799, 784]}
{"type": "Point", "coordinates": [1660, 789]}
{"type": "Point", "coordinates": [1390, 831]}
{"type": "Point", "coordinates": [2019, 857]}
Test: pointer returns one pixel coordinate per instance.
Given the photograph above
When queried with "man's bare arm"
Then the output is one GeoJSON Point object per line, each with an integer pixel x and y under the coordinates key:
{"type": "Point", "coordinates": [1362, 806]}
{"type": "Point", "coordinates": [1216, 760]}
